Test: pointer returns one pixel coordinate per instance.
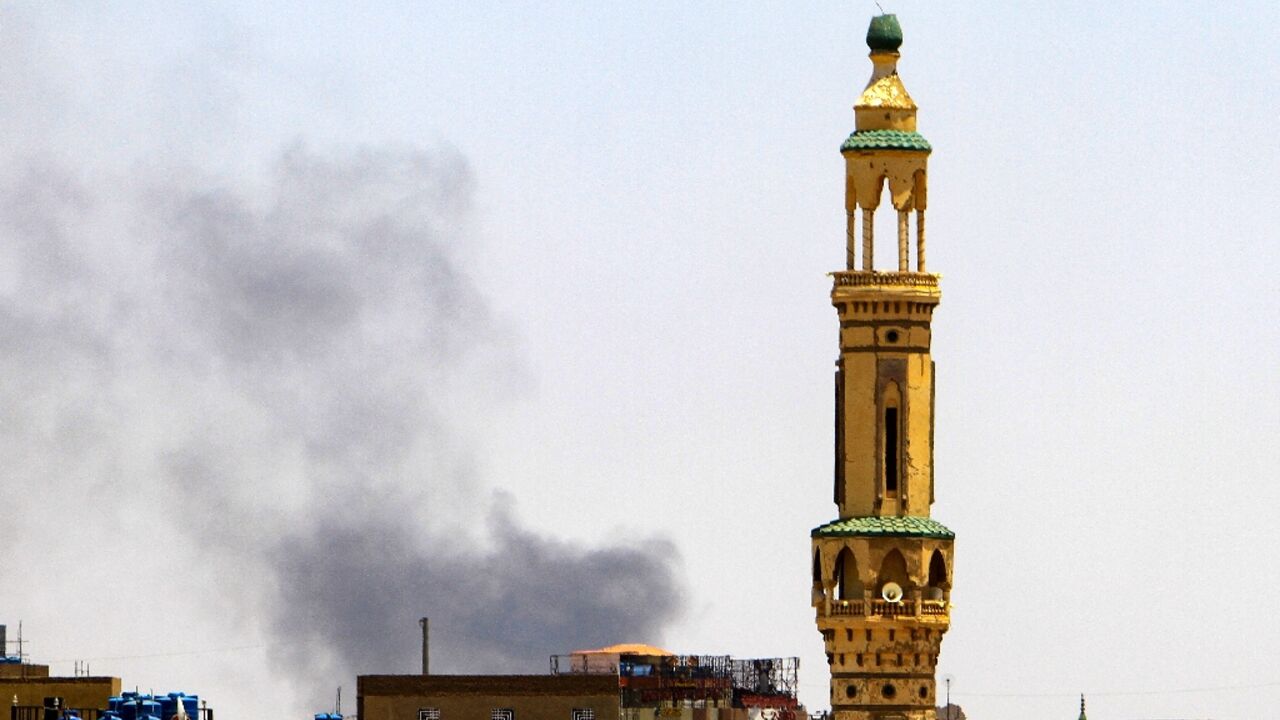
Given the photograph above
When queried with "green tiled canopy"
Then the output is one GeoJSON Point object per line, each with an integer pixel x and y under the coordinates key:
{"type": "Point", "coordinates": [892, 526]}
{"type": "Point", "coordinates": [886, 140]}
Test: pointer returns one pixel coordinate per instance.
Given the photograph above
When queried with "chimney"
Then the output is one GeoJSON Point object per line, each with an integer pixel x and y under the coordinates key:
{"type": "Point", "coordinates": [426, 645]}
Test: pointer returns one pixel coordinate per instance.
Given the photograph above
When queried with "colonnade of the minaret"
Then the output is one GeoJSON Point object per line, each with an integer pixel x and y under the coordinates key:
{"type": "Point", "coordinates": [882, 570]}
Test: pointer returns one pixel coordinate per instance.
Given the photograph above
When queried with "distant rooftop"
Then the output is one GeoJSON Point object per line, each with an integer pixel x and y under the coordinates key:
{"type": "Point", "coordinates": [627, 649]}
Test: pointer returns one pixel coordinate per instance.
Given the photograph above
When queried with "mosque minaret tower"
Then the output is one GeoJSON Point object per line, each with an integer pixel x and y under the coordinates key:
{"type": "Point", "coordinates": [882, 569]}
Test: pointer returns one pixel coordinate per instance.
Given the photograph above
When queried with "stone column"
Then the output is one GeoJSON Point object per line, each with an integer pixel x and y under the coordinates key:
{"type": "Point", "coordinates": [904, 261]}
{"type": "Point", "coordinates": [920, 241]}
{"type": "Point", "coordinates": [868, 228]}
{"type": "Point", "coordinates": [851, 242]}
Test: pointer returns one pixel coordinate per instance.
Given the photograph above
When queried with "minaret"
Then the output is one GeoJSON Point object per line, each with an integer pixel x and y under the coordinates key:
{"type": "Point", "coordinates": [882, 570]}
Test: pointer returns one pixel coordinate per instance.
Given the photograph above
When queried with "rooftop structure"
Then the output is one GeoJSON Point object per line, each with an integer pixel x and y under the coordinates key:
{"type": "Point", "coordinates": [631, 682]}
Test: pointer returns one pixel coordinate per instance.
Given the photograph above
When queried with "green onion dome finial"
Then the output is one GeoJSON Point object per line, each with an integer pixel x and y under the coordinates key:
{"type": "Point", "coordinates": [885, 33]}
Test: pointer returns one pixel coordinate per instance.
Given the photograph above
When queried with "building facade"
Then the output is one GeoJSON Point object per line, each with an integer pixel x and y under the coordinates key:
{"type": "Point", "coordinates": [622, 682]}
{"type": "Point", "coordinates": [28, 689]}
{"type": "Point", "coordinates": [487, 697]}
{"type": "Point", "coordinates": [882, 568]}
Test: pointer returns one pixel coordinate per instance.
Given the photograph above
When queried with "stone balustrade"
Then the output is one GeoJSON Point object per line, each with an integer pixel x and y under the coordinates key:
{"type": "Point", "coordinates": [862, 278]}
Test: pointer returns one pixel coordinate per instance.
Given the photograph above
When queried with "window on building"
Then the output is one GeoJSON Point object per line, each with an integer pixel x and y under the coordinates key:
{"type": "Point", "coordinates": [891, 450]}
{"type": "Point", "coordinates": [428, 713]}
{"type": "Point", "coordinates": [583, 714]}
{"type": "Point", "coordinates": [502, 714]}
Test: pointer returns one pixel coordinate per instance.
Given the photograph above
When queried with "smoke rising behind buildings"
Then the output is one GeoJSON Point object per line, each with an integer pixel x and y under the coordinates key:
{"type": "Point", "coordinates": [256, 398]}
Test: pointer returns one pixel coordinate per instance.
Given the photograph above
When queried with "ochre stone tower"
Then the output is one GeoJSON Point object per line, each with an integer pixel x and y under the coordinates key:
{"type": "Point", "coordinates": [882, 570]}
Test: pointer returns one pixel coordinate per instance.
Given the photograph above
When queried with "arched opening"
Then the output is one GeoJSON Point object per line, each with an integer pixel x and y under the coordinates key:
{"type": "Point", "coordinates": [937, 577]}
{"type": "Point", "coordinates": [848, 586]}
{"type": "Point", "coordinates": [893, 569]}
{"type": "Point", "coordinates": [819, 592]}
{"type": "Point", "coordinates": [920, 200]}
{"type": "Point", "coordinates": [937, 570]}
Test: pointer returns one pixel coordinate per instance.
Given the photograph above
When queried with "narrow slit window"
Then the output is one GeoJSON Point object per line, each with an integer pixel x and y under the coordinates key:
{"type": "Point", "coordinates": [891, 450]}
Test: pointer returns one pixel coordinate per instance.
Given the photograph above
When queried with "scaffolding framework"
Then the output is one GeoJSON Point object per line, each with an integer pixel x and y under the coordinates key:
{"type": "Point", "coordinates": [700, 681]}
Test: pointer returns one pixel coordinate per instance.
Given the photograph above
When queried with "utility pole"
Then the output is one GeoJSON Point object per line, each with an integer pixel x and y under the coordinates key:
{"type": "Point", "coordinates": [949, 698]}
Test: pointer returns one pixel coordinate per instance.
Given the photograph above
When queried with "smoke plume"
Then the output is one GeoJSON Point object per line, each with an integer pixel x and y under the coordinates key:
{"type": "Point", "coordinates": [282, 378]}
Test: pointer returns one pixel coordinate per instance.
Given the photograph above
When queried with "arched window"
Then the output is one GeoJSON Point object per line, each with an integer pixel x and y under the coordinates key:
{"type": "Point", "coordinates": [848, 585]}
{"type": "Point", "coordinates": [937, 570]}
{"type": "Point", "coordinates": [894, 569]}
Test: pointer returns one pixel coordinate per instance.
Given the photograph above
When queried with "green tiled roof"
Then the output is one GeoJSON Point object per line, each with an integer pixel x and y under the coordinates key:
{"type": "Point", "coordinates": [886, 140]}
{"type": "Point", "coordinates": [884, 526]}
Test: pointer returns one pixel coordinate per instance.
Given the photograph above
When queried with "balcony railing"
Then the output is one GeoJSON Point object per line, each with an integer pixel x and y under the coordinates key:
{"type": "Point", "coordinates": [933, 608]}
{"type": "Point", "coordinates": [862, 278]}
{"type": "Point", "coordinates": [889, 609]}
{"type": "Point", "coordinates": [846, 607]}
{"type": "Point", "coordinates": [884, 608]}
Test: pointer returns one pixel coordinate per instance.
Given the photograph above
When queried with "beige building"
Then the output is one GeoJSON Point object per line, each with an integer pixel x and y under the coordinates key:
{"type": "Point", "coordinates": [882, 568]}
{"type": "Point", "coordinates": [25, 687]}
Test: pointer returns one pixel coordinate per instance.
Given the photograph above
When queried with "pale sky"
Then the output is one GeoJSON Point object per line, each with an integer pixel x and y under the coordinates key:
{"type": "Point", "coordinates": [621, 313]}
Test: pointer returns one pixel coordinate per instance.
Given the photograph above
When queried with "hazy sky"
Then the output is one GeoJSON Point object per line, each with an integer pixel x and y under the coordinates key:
{"type": "Point", "coordinates": [529, 299]}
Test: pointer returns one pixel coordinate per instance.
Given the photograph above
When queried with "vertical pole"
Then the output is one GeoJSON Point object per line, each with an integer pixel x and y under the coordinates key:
{"type": "Point", "coordinates": [903, 240]}
{"type": "Point", "coordinates": [868, 226]}
{"type": "Point", "coordinates": [948, 698]}
{"type": "Point", "coordinates": [426, 645]}
{"type": "Point", "coordinates": [920, 241]}
{"type": "Point", "coordinates": [851, 242]}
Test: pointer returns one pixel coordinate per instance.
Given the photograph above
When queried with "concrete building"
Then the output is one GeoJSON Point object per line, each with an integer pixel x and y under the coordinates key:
{"type": "Point", "coordinates": [487, 697]}
{"type": "Point", "coordinates": [882, 569]}
{"type": "Point", "coordinates": [33, 694]}
{"type": "Point", "coordinates": [28, 688]}
{"type": "Point", "coordinates": [621, 682]}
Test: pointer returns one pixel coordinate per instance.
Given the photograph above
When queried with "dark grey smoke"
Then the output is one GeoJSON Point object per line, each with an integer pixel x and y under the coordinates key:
{"type": "Point", "coordinates": [502, 610]}
{"type": "Point", "coordinates": [298, 362]}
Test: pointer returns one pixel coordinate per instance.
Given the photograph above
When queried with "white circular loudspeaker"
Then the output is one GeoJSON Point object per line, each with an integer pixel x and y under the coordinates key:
{"type": "Point", "coordinates": [891, 592]}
